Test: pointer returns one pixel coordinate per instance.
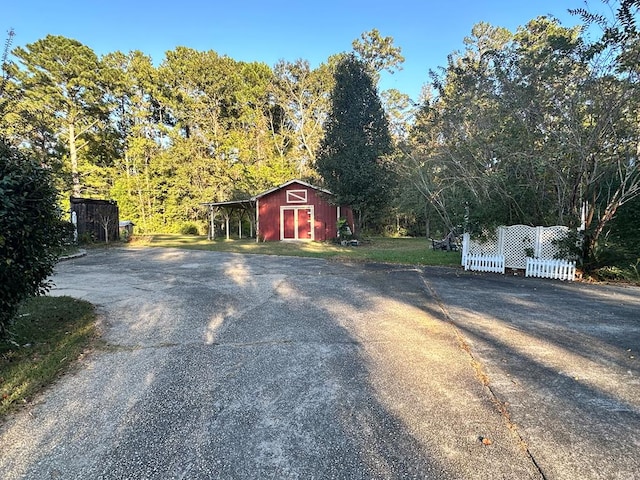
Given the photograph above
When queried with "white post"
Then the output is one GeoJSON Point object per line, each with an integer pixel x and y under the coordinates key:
{"type": "Point", "coordinates": [501, 239]}
{"type": "Point", "coordinates": [466, 238]}
{"type": "Point", "coordinates": [257, 221]}
{"type": "Point", "coordinates": [212, 232]}
{"type": "Point", "coordinates": [537, 250]}
{"type": "Point", "coordinates": [74, 220]}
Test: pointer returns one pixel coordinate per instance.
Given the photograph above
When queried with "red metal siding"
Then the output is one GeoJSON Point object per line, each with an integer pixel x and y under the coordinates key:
{"type": "Point", "coordinates": [268, 220]}
{"type": "Point", "coordinates": [325, 214]}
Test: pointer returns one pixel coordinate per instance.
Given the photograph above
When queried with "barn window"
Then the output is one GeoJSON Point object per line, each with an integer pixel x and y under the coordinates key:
{"type": "Point", "coordinates": [296, 196]}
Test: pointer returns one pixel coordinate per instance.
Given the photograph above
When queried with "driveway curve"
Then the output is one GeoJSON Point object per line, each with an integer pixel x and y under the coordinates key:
{"type": "Point", "coordinates": [231, 366]}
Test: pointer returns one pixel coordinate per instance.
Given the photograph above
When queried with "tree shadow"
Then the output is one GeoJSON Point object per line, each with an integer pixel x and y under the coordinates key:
{"type": "Point", "coordinates": [562, 358]}
{"type": "Point", "coordinates": [224, 366]}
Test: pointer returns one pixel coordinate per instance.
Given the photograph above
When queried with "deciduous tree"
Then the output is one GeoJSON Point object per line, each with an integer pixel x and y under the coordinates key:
{"type": "Point", "coordinates": [534, 128]}
{"type": "Point", "coordinates": [378, 53]}
{"type": "Point", "coordinates": [303, 93]}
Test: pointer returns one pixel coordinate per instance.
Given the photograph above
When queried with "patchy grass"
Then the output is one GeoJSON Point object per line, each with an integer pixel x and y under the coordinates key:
{"type": "Point", "coordinates": [414, 251]}
{"type": "Point", "coordinates": [48, 335]}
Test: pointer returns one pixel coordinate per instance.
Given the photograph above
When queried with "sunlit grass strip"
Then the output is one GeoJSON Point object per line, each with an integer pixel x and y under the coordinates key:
{"type": "Point", "coordinates": [49, 334]}
{"type": "Point", "coordinates": [413, 251]}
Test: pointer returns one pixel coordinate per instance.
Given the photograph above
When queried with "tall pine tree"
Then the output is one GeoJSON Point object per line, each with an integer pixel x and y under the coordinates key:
{"type": "Point", "coordinates": [356, 141]}
{"type": "Point", "coordinates": [62, 105]}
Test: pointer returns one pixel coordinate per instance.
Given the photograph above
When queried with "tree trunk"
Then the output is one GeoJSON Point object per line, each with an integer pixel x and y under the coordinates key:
{"type": "Point", "coordinates": [591, 240]}
{"type": "Point", "coordinates": [73, 157]}
{"type": "Point", "coordinates": [359, 225]}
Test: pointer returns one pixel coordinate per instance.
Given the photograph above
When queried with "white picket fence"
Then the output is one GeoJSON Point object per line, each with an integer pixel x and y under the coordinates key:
{"type": "Point", "coordinates": [557, 269]}
{"type": "Point", "coordinates": [512, 247]}
{"type": "Point", "coordinates": [484, 263]}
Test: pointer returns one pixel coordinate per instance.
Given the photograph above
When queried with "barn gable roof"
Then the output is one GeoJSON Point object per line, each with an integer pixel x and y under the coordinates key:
{"type": "Point", "coordinates": [251, 201]}
{"type": "Point", "coordinates": [248, 203]}
{"type": "Point", "coordinates": [286, 184]}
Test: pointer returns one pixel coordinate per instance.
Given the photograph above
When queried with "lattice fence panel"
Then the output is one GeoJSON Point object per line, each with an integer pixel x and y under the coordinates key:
{"type": "Point", "coordinates": [547, 235]}
{"type": "Point", "coordinates": [518, 240]}
{"type": "Point", "coordinates": [489, 247]}
{"type": "Point", "coordinates": [517, 243]}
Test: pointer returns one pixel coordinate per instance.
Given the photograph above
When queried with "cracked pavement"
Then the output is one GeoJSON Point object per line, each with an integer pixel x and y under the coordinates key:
{"type": "Point", "coordinates": [245, 366]}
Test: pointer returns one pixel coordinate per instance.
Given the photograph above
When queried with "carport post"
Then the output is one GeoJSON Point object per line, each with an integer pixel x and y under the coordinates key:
{"type": "Point", "coordinates": [257, 221]}
{"type": "Point", "coordinates": [212, 231]}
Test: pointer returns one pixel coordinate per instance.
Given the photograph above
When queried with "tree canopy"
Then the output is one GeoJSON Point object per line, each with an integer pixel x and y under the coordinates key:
{"type": "Point", "coordinates": [534, 126]}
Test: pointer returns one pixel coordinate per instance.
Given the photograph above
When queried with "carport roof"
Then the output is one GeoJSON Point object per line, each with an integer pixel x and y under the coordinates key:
{"type": "Point", "coordinates": [250, 203]}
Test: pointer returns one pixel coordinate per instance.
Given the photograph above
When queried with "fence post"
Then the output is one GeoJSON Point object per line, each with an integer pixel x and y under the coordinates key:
{"type": "Point", "coordinates": [466, 238]}
{"type": "Point", "coordinates": [537, 243]}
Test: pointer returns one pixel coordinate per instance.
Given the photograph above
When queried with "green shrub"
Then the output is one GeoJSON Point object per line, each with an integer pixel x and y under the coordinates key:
{"type": "Point", "coordinates": [125, 235]}
{"type": "Point", "coordinates": [189, 229]}
{"type": "Point", "coordinates": [86, 238]}
{"type": "Point", "coordinates": [68, 230]}
{"type": "Point", "coordinates": [344, 230]}
{"type": "Point", "coordinates": [31, 232]}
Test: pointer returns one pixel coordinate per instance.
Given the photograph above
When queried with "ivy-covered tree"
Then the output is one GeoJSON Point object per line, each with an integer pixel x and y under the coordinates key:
{"type": "Point", "coordinates": [31, 232]}
{"type": "Point", "coordinates": [352, 154]}
{"type": "Point", "coordinates": [4, 76]}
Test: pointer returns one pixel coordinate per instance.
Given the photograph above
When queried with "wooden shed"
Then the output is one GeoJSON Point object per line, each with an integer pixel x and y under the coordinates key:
{"type": "Point", "coordinates": [97, 219]}
{"type": "Point", "coordinates": [294, 210]}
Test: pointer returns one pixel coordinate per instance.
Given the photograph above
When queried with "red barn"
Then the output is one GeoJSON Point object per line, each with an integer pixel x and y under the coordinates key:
{"type": "Point", "coordinates": [297, 210]}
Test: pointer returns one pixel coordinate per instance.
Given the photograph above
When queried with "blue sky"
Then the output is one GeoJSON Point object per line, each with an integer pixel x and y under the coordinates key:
{"type": "Point", "coordinates": [266, 31]}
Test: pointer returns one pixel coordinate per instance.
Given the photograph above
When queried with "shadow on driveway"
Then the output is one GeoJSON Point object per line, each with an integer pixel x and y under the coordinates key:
{"type": "Point", "coordinates": [230, 366]}
{"type": "Point", "coordinates": [563, 358]}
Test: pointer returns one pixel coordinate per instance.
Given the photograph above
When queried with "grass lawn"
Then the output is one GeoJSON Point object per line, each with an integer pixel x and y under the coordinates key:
{"type": "Point", "coordinates": [48, 335]}
{"type": "Point", "coordinates": [414, 251]}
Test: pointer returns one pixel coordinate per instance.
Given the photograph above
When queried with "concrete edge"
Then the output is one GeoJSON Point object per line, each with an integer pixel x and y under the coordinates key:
{"type": "Point", "coordinates": [80, 253]}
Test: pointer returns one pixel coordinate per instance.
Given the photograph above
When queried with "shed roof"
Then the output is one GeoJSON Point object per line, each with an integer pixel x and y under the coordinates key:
{"type": "Point", "coordinates": [91, 201]}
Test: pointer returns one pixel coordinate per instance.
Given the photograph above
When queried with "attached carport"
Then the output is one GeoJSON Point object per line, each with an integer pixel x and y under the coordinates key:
{"type": "Point", "coordinates": [236, 209]}
{"type": "Point", "coordinates": [295, 210]}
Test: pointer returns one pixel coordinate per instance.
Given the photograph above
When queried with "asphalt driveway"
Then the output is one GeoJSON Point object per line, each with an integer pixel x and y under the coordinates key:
{"type": "Point", "coordinates": [231, 366]}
